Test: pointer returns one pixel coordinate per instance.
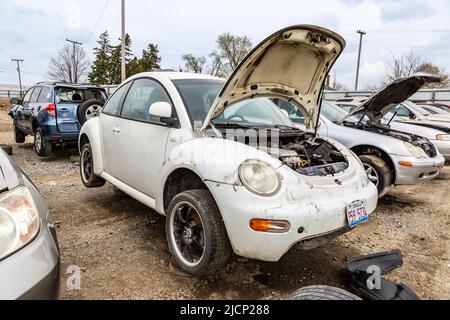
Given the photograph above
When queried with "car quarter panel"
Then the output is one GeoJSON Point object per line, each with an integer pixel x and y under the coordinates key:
{"type": "Point", "coordinates": [91, 129]}
{"type": "Point", "coordinates": [215, 160]}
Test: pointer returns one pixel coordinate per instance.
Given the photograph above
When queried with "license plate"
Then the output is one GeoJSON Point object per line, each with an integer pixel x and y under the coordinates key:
{"type": "Point", "coordinates": [356, 213]}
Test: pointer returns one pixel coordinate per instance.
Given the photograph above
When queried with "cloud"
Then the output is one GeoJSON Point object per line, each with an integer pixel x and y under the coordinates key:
{"type": "Point", "coordinates": [35, 30]}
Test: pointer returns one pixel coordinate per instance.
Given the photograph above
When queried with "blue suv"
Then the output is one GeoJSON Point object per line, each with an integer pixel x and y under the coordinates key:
{"type": "Point", "coordinates": [54, 113]}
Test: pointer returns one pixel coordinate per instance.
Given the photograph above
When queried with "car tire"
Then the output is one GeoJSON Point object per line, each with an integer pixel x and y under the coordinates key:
{"type": "Point", "coordinates": [88, 177]}
{"type": "Point", "coordinates": [42, 147]}
{"type": "Point", "coordinates": [88, 110]}
{"type": "Point", "coordinates": [378, 173]}
{"type": "Point", "coordinates": [322, 293]}
{"type": "Point", "coordinates": [196, 234]}
{"type": "Point", "coordinates": [19, 136]}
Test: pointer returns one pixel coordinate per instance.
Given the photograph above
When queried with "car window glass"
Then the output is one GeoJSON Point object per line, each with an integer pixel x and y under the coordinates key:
{"type": "Point", "coordinates": [143, 93]}
{"type": "Point", "coordinates": [35, 95]}
{"type": "Point", "coordinates": [44, 96]}
{"type": "Point", "coordinates": [402, 111]}
{"type": "Point", "coordinates": [113, 105]}
{"type": "Point", "coordinates": [71, 95]}
{"type": "Point", "coordinates": [27, 97]}
{"type": "Point", "coordinates": [294, 114]}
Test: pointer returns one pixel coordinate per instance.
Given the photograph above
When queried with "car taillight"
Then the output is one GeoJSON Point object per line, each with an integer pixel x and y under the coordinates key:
{"type": "Point", "coordinates": [50, 108]}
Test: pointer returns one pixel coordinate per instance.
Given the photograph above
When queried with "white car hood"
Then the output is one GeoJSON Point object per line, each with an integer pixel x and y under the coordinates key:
{"type": "Point", "coordinates": [392, 95]}
{"type": "Point", "coordinates": [292, 65]}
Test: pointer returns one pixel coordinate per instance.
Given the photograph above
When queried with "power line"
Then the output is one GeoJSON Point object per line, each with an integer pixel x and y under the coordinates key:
{"type": "Point", "coordinates": [74, 61]}
{"type": "Point", "coordinates": [98, 22]}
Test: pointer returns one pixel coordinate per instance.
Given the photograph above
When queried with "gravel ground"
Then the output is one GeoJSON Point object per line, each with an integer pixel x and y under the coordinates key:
{"type": "Point", "coordinates": [120, 245]}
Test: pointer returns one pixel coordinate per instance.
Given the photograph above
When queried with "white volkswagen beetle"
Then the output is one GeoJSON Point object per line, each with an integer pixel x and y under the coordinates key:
{"type": "Point", "coordinates": [229, 170]}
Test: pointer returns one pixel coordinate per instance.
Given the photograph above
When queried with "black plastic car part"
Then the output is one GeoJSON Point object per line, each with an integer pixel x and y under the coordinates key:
{"type": "Point", "coordinates": [386, 261]}
{"type": "Point", "coordinates": [365, 270]}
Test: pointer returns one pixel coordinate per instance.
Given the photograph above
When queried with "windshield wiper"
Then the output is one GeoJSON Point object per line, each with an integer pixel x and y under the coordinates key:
{"type": "Point", "coordinates": [233, 124]}
{"type": "Point", "coordinates": [281, 127]}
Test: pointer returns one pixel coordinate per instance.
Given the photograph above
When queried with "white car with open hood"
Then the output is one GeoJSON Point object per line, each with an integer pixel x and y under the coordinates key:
{"type": "Point", "coordinates": [229, 170]}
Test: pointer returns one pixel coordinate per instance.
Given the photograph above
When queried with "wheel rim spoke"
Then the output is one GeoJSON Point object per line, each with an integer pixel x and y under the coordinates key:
{"type": "Point", "coordinates": [188, 234]}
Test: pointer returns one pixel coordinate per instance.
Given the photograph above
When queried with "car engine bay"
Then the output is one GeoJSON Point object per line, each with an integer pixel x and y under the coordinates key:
{"type": "Point", "coordinates": [303, 152]}
{"type": "Point", "coordinates": [386, 130]}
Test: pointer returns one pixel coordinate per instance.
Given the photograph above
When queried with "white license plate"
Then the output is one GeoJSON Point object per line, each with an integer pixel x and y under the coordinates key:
{"type": "Point", "coordinates": [356, 213]}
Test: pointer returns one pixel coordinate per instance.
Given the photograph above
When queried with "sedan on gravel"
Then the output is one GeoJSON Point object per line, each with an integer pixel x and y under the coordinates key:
{"type": "Point", "coordinates": [29, 253]}
{"type": "Point", "coordinates": [390, 156]}
{"type": "Point", "coordinates": [228, 169]}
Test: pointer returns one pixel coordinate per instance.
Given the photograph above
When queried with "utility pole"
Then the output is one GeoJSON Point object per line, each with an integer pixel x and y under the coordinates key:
{"type": "Point", "coordinates": [18, 61]}
{"type": "Point", "coordinates": [74, 61]}
{"type": "Point", "coordinates": [361, 34]}
{"type": "Point", "coordinates": [123, 64]}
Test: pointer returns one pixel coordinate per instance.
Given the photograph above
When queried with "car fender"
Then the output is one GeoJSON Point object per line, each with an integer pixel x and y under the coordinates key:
{"type": "Point", "coordinates": [213, 160]}
{"type": "Point", "coordinates": [91, 129]}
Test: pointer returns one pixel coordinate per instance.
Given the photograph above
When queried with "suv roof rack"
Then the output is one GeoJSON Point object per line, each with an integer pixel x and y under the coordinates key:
{"type": "Point", "coordinates": [68, 84]}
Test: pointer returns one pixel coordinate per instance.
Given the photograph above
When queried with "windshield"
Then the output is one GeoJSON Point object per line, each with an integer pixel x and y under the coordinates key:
{"type": "Point", "coordinates": [434, 110]}
{"type": "Point", "coordinates": [71, 95]}
{"type": "Point", "coordinates": [198, 96]}
{"type": "Point", "coordinates": [259, 112]}
{"type": "Point", "coordinates": [418, 109]}
{"type": "Point", "coordinates": [335, 114]}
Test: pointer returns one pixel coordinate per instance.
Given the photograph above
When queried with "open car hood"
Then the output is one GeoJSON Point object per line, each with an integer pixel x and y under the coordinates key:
{"type": "Point", "coordinates": [376, 107]}
{"type": "Point", "coordinates": [292, 64]}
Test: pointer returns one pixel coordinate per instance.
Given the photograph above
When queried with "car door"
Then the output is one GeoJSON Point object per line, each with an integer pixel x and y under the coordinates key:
{"type": "Point", "coordinates": [33, 108]}
{"type": "Point", "coordinates": [108, 121]}
{"type": "Point", "coordinates": [141, 139]}
{"type": "Point", "coordinates": [23, 112]}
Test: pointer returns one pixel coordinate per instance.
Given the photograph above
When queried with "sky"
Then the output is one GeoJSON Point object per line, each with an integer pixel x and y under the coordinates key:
{"type": "Point", "coordinates": [35, 30]}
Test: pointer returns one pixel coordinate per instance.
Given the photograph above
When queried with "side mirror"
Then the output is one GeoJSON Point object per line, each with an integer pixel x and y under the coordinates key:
{"type": "Point", "coordinates": [285, 113]}
{"type": "Point", "coordinates": [160, 110]}
{"type": "Point", "coordinates": [163, 110]}
{"type": "Point", "coordinates": [15, 101]}
{"type": "Point", "coordinates": [412, 116]}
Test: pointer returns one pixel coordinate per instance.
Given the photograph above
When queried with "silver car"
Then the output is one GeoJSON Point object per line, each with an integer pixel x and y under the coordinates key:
{"type": "Point", "coordinates": [390, 157]}
{"type": "Point", "coordinates": [29, 253]}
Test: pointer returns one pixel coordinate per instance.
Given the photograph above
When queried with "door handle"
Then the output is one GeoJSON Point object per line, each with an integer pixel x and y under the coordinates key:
{"type": "Point", "coordinates": [64, 110]}
{"type": "Point", "coordinates": [116, 130]}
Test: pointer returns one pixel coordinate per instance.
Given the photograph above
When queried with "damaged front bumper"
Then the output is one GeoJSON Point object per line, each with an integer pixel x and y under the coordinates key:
{"type": "Point", "coordinates": [418, 170]}
{"type": "Point", "coordinates": [313, 212]}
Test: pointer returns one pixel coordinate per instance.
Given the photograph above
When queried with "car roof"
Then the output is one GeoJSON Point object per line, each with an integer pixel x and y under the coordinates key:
{"type": "Point", "coordinates": [172, 75]}
{"type": "Point", "coordinates": [68, 85]}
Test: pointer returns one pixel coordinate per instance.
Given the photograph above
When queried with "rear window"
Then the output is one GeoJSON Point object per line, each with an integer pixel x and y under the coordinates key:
{"type": "Point", "coordinates": [72, 95]}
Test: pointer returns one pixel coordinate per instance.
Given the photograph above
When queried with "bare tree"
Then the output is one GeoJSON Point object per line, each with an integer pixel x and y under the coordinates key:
{"type": "Point", "coordinates": [410, 64]}
{"type": "Point", "coordinates": [216, 65]}
{"type": "Point", "coordinates": [66, 66]}
{"type": "Point", "coordinates": [429, 67]}
{"type": "Point", "coordinates": [194, 64]}
{"type": "Point", "coordinates": [232, 50]}
{"type": "Point", "coordinates": [402, 66]}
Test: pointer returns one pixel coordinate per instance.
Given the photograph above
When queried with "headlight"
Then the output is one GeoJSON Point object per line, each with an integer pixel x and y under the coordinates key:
{"type": "Point", "coordinates": [259, 177]}
{"type": "Point", "coordinates": [443, 137]}
{"type": "Point", "coordinates": [415, 151]}
{"type": "Point", "coordinates": [19, 220]}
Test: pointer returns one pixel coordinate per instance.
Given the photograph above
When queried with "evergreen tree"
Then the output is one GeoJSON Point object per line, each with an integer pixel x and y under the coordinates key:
{"type": "Point", "coordinates": [150, 60]}
{"type": "Point", "coordinates": [116, 60]}
{"type": "Point", "coordinates": [100, 72]}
